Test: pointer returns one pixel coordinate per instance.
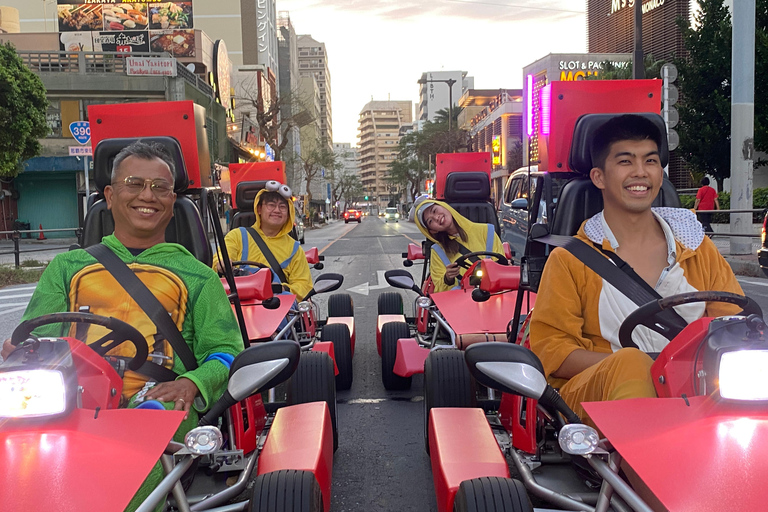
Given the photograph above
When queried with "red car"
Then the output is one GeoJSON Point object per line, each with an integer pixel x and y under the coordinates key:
{"type": "Point", "coordinates": [353, 215]}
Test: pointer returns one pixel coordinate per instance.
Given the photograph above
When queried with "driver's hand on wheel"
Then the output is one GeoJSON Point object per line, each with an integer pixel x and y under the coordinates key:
{"type": "Point", "coordinates": [7, 349]}
{"type": "Point", "coordinates": [451, 273]}
{"type": "Point", "coordinates": [220, 267]}
{"type": "Point", "coordinates": [182, 392]}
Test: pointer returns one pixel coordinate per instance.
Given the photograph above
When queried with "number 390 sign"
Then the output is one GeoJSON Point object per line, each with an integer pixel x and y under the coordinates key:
{"type": "Point", "coordinates": [81, 131]}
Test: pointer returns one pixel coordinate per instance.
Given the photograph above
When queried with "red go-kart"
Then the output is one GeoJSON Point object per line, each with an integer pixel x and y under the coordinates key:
{"type": "Point", "coordinates": [67, 446]}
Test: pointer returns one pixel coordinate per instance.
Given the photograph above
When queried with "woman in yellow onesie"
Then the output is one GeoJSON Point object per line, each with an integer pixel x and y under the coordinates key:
{"type": "Point", "coordinates": [274, 221]}
{"type": "Point", "coordinates": [450, 231]}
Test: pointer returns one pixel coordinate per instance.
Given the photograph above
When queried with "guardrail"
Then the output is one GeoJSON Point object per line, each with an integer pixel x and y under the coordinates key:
{"type": "Point", "coordinates": [726, 235]}
{"type": "Point", "coordinates": [16, 236]}
{"type": "Point", "coordinates": [80, 62]}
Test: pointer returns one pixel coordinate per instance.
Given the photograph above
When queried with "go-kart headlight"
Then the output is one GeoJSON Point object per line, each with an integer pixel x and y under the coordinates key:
{"type": "Point", "coordinates": [32, 393]}
{"type": "Point", "coordinates": [304, 306]}
{"type": "Point", "coordinates": [743, 375]}
{"type": "Point", "coordinates": [578, 439]}
{"type": "Point", "coordinates": [203, 440]}
{"type": "Point", "coordinates": [423, 302]}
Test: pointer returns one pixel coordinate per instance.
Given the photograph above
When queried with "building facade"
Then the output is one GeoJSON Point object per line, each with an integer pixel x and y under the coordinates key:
{"type": "Point", "coordinates": [434, 93]}
{"type": "Point", "coordinates": [347, 155]}
{"type": "Point", "coordinates": [313, 61]}
{"type": "Point", "coordinates": [288, 89]}
{"type": "Point", "coordinates": [379, 130]}
{"type": "Point", "coordinates": [494, 120]}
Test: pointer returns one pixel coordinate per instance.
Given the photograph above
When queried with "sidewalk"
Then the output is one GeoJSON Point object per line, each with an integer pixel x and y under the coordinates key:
{"type": "Point", "coordinates": [742, 264]}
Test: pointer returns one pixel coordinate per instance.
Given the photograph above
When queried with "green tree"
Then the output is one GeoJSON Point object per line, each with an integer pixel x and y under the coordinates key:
{"type": "Point", "coordinates": [705, 80]}
{"type": "Point", "coordinates": [314, 158]}
{"type": "Point", "coordinates": [23, 105]}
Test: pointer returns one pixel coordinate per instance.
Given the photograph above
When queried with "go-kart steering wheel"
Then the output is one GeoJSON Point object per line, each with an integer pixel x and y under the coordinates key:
{"type": "Point", "coordinates": [243, 263]}
{"type": "Point", "coordinates": [464, 263]}
{"type": "Point", "coordinates": [649, 314]}
{"type": "Point", "coordinates": [119, 332]}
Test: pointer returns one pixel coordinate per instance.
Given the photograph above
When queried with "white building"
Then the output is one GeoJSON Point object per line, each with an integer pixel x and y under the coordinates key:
{"type": "Point", "coordinates": [435, 95]}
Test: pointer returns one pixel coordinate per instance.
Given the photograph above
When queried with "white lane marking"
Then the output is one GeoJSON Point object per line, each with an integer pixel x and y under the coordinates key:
{"type": "Point", "coordinates": [364, 288]}
{"type": "Point", "coordinates": [21, 296]}
{"type": "Point", "coordinates": [14, 304]}
{"type": "Point", "coordinates": [761, 282]}
{"type": "Point", "coordinates": [13, 310]}
{"type": "Point", "coordinates": [19, 289]}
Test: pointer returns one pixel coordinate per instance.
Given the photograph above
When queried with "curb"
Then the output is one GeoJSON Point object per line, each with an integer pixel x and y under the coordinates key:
{"type": "Point", "coordinates": [745, 268]}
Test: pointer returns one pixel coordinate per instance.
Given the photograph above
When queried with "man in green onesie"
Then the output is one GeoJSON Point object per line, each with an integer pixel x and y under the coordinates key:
{"type": "Point", "coordinates": [141, 200]}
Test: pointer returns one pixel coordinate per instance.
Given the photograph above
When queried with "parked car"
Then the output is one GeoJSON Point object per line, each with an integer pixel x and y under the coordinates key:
{"type": "Point", "coordinates": [353, 215]}
{"type": "Point", "coordinates": [762, 253]}
{"type": "Point", "coordinates": [515, 203]}
{"type": "Point", "coordinates": [298, 226]}
{"type": "Point", "coordinates": [391, 214]}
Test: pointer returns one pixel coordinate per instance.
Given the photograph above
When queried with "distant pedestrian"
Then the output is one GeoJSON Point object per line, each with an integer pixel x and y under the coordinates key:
{"type": "Point", "coordinates": [706, 199]}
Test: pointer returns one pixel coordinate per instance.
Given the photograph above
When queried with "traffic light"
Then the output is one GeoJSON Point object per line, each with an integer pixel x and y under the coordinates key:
{"type": "Point", "coordinates": [366, 198]}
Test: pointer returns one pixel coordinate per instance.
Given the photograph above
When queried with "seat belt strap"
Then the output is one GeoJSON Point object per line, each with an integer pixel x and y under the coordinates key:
{"type": "Point", "coordinates": [146, 301]}
{"type": "Point", "coordinates": [264, 248]}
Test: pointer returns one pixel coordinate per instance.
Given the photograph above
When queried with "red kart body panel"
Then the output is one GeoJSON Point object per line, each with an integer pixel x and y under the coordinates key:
{"type": "Point", "coordinates": [465, 316]}
{"type": "Point", "coordinates": [349, 321]}
{"type": "Point", "coordinates": [462, 447]}
{"type": "Point", "coordinates": [80, 463]}
{"type": "Point", "coordinates": [327, 347]}
{"type": "Point", "coordinates": [252, 409]}
{"type": "Point", "coordinates": [422, 315]}
{"type": "Point", "coordinates": [710, 455]}
{"type": "Point", "coordinates": [262, 322]}
{"type": "Point", "coordinates": [385, 319]}
{"type": "Point", "coordinates": [447, 163]}
{"type": "Point", "coordinates": [254, 287]}
{"type": "Point", "coordinates": [301, 438]}
{"type": "Point", "coordinates": [518, 415]}
{"type": "Point", "coordinates": [96, 377]}
{"type": "Point", "coordinates": [675, 362]}
{"type": "Point", "coordinates": [410, 357]}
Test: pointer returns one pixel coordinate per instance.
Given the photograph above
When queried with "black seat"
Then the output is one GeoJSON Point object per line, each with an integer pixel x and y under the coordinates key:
{"type": "Point", "coordinates": [579, 198]}
{"type": "Point", "coordinates": [469, 193]}
{"type": "Point", "coordinates": [186, 226]}
{"type": "Point", "coordinates": [245, 196]}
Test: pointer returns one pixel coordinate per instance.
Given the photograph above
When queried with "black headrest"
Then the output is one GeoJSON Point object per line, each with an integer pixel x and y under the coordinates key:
{"type": "Point", "coordinates": [580, 159]}
{"type": "Point", "coordinates": [467, 186]}
{"type": "Point", "coordinates": [245, 194]}
{"type": "Point", "coordinates": [107, 150]}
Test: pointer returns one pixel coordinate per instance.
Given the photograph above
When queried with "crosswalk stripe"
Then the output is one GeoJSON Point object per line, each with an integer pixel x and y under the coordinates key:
{"type": "Point", "coordinates": [14, 304]}
{"type": "Point", "coordinates": [13, 310]}
{"type": "Point", "coordinates": [4, 297]}
{"type": "Point", "coordinates": [19, 289]}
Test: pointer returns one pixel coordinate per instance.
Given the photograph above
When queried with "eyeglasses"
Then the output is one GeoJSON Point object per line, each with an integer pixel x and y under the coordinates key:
{"type": "Point", "coordinates": [274, 186]}
{"type": "Point", "coordinates": [279, 205]}
{"type": "Point", "coordinates": [135, 185]}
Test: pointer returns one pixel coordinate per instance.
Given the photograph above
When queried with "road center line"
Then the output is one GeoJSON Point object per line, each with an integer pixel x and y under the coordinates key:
{"type": "Point", "coordinates": [336, 239]}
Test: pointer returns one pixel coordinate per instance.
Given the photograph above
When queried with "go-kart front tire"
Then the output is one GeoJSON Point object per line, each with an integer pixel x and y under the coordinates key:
{"type": "Point", "coordinates": [340, 304]}
{"type": "Point", "coordinates": [314, 381]}
{"type": "Point", "coordinates": [492, 494]}
{"type": "Point", "coordinates": [390, 333]}
{"type": "Point", "coordinates": [390, 303]}
{"type": "Point", "coordinates": [447, 383]}
{"type": "Point", "coordinates": [286, 490]}
{"type": "Point", "coordinates": [338, 334]}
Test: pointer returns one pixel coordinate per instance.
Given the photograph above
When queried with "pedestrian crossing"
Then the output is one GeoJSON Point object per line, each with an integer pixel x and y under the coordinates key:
{"type": "Point", "coordinates": [15, 298]}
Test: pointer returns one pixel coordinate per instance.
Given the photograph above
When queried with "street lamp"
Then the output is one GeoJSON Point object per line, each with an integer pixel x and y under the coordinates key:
{"type": "Point", "coordinates": [450, 82]}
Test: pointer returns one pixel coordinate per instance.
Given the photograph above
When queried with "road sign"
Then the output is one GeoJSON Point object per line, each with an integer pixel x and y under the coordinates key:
{"type": "Point", "coordinates": [81, 131]}
{"type": "Point", "coordinates": [80, 151]}
{"type": "Point", "coordinates": [673, 139]}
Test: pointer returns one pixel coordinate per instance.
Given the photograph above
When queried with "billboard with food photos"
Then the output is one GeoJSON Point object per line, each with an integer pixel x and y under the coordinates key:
{"type": "Point", "coordinates": [103, 21]}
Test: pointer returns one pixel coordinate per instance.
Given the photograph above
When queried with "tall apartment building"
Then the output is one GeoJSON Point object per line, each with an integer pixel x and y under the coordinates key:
{"type": "Point", "coordinates": [288, 88]}
{"type": "Point", "coordinates": [348, 156]}
{"type": "Point", "coordinates": [313, 61]}
{"type": "Point", "coordinates": [434, 96]}
{"type": "Point", "coordinates": [379, 132]}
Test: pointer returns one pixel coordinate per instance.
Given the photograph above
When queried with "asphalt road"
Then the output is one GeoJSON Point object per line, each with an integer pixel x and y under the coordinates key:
{"type": "Point", "coordinates": [380, 464]}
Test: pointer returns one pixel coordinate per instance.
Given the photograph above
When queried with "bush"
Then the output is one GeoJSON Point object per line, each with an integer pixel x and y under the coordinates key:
{"type": "Point", "coordinates": [9, 275]}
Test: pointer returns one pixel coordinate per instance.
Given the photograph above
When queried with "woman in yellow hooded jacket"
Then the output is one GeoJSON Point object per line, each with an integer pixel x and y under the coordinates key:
{"type": "Point", "coordinates": [275, 215]}
{"type": "Point", "coordinates": [450, 231]}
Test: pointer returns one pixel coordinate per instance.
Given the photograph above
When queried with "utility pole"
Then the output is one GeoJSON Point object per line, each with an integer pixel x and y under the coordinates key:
{"type": "Point", "coordinates": [638, 64]}
{"type": "Point", "coordinates": [742, 121]}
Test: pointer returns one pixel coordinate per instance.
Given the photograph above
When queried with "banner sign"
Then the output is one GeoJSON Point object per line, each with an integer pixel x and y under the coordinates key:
{"type": "Point", "coordinates": [80, 151]}
{"type": "Point", "coordinates": [157, 66]}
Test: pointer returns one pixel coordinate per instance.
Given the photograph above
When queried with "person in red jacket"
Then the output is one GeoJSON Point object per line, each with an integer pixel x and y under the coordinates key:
{"type": "Point", "coordinates": [706, 199]}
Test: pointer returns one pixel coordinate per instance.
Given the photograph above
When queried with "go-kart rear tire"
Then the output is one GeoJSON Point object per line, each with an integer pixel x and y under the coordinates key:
{"type": "Point", "coordinates": [390, 333]}
{"type": "Point", "coordinates": [492, 494]}
{"type": "Point", "coordinates": [447, 383]}
{"type": "Point", "coordinates": [338, 334]}
{"type": "Point", "coordinates": [314, 381]}
{"type": "Point", "coordinates": [390, 303]}
{"type": "Point", "coordinates": [287, 490]}
{"type": "Point", "coordinates": [340, 304]}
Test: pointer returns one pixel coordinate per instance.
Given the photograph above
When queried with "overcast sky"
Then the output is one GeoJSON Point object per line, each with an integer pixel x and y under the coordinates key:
{"type": "Point", "coordinates": [379, 48]}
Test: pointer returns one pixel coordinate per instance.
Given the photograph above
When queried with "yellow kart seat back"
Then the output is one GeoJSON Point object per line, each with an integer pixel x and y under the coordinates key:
{"type": "Point", "coordinates": [97, 290]}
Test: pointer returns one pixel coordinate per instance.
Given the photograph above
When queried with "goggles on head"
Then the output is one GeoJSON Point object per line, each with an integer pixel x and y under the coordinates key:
{"type": "Point", "coordinates": [274, 186]}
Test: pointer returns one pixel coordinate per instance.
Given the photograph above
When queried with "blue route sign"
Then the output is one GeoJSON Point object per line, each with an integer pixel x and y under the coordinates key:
{"type": "Point", "coordinates": [81, 131]}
